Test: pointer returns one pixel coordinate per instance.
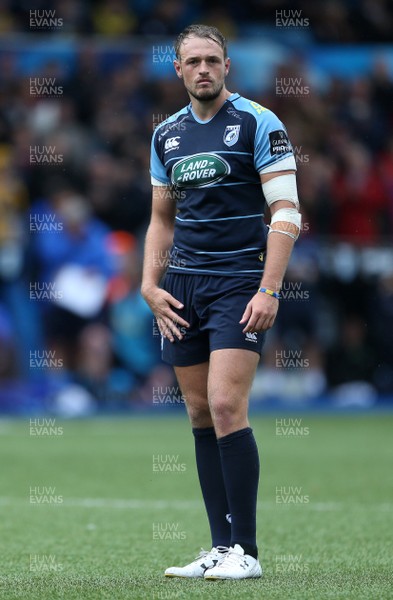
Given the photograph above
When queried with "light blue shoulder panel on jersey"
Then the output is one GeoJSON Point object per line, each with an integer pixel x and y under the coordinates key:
{"type": "Point", "coordinates": [271, 138]}
{"type": "Point", "coordinates": [157, 169]}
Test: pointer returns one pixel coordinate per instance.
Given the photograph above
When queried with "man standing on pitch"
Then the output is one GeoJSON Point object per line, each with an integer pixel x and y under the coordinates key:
{"type": "Point", "coordinates": [221, 288]}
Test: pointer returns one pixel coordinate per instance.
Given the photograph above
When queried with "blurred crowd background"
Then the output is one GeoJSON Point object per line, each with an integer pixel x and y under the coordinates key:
{"type": "Point", "coordinates": [82, 87]}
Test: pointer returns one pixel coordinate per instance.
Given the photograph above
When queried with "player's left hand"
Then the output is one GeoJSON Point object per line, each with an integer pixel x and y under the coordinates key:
{"type": "Point", "coordinates": [260, 313]}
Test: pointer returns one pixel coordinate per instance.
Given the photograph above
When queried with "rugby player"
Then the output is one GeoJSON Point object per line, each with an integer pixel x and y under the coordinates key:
{"type": "Point", "coordinates": [213, 166]}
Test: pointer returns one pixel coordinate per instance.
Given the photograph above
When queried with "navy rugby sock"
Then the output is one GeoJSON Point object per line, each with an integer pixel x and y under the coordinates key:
{"type": "Point", "coordinates": [240, 467]}
{"type": "Point", "coordinates": [212, 484]}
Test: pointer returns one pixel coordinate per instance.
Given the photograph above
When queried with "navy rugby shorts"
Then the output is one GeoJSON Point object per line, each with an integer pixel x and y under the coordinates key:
{"type": "Point", "coordinates": [213, 306]}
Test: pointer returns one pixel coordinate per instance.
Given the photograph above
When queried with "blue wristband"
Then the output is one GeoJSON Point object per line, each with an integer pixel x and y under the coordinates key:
{"type": "Point", "coordinates": [270, 293]}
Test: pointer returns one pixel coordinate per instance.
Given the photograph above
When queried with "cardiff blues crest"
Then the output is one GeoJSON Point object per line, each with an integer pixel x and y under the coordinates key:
{"type": "Point", "coordinates": [231, 134]}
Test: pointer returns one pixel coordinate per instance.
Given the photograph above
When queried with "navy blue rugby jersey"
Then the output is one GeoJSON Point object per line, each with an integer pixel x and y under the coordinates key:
{"type": "Point", "coordinates": [214, 167]}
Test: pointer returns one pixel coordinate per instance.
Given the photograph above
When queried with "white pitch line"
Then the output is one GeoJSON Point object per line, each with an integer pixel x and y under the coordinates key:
{"type": "Point", "coordinates": [138, 504]}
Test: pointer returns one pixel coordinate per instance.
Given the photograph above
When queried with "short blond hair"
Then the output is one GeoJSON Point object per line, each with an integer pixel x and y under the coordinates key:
{"type": "Point", "coordinates": [201, 31]}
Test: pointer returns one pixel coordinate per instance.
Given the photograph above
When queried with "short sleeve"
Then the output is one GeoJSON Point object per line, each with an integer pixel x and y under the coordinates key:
{"type": "Point", "coordinates": [271, 143]}
{"type": "Point", "coordinates": [157, 169]}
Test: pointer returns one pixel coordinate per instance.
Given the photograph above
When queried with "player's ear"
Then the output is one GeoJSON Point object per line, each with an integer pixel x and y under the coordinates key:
{"type": "Point", "coordinates": [227, 63]}
{"type": "Point", "coordinates": [177, 66]}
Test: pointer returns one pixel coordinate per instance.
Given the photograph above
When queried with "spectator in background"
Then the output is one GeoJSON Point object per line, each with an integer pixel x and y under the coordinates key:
{"type": "Point", "coordinates": [118, 361]}
{"type": "Point", "coordinates": [339, 21]}
{"type": "Point", "coordinates": [381, 319]}
{"type": "Point", "coordinates": [359, 198]}
{"type": "Point", "coordinates": [13, 201]}
{"type": "Point", "coordinates": [117, 193]}
{"type": "Point", "coordinates": [110, 385]}
{"type": "Point", "coordinates": [293, 361]}
{"type": "Point", "coordinates": [166, 18]}
{"type": "Point", "coordinates": [382, 89]}
{"type": "Point", "coordinates": [84, 83]}
{"type": "Point", "coordinates": [8, 363]}
{"type": "Point", "coordinates": [385, 169]}
{"type": "Point", "coordinates": [351, 364]}
{"type": "Point", "coordinates": [136, 338]}
{"type": "Point", "coordinates": [73, 264]}
{"type": "Point", "coordinates": [113, 18]}
{"type": "Point", "coordinates": [13, 264]}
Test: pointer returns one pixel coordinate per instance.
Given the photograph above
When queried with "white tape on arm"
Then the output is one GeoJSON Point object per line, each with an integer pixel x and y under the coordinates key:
{"type": "Point", "coordinates": [282, 187]}
{"type": "Point", "coordinates": [286, 215]}
{"type": "Point", "coordinates": [285, 164]}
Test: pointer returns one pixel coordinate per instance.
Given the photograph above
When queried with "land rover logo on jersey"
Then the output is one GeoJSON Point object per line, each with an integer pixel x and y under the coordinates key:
{"type": "Point", "coordinates": [199, 170]}
{"type": "Point", "coordinates": [231, 134]}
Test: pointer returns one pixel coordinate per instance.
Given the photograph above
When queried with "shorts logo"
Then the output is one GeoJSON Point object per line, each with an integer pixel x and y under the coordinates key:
{"type": "Point", "coordinates": [199, 170]}
{"type": "Point", "coordinates": [172, 143]}
{"type": "Point", "coordinates": [231, 134]}
{"type": "Point", "coordinates": [251, 337]}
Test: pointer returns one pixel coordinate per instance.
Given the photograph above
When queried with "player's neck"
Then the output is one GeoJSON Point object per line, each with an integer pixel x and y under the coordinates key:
{"type": "Point", "coordinates": [206, 110]}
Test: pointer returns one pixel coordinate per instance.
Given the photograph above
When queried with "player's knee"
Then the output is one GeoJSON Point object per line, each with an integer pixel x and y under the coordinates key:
{"type": "Point", "coordinates": [226, 414]}
{"type": "Point", "coordinates": [199, 412]}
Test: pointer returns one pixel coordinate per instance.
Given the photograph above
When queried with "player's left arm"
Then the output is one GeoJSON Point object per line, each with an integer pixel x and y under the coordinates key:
{"type": "Point", "coordinates": [261, 311]}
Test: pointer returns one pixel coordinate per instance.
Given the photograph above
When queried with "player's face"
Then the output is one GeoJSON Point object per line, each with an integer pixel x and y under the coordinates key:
{"type": "Point", "coordinates": [202, 67]}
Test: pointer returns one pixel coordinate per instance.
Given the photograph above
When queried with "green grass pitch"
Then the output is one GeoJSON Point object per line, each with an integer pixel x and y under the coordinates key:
{"type": "Point", "coordinates": [85, 515]}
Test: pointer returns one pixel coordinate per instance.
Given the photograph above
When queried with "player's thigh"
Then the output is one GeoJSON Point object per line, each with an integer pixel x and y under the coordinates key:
{"type": "Point", "coordinates": [193, 349]}
{"type": "Point", "coordinates": [231, 374]}
{"type": "Point", "coordinates": [222, 316]}
{"type": "Point", "coordinates": [193, 384]}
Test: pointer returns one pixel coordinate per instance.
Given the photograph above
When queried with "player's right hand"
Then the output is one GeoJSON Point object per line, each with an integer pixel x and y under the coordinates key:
{"type": "Point", "coordinates": [168, 321]}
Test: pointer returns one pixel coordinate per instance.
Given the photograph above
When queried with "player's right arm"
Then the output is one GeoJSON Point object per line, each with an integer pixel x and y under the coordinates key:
{"type": "Point", "coordinates": [159, 239]}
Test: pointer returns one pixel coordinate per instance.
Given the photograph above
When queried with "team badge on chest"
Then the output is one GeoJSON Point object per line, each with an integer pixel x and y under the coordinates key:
{"type": "Point", "coordinates": [231, 134]}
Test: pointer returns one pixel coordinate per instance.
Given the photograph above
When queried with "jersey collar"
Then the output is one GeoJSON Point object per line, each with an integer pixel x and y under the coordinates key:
{"type": "Point", "coordinates": [230, 98]}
